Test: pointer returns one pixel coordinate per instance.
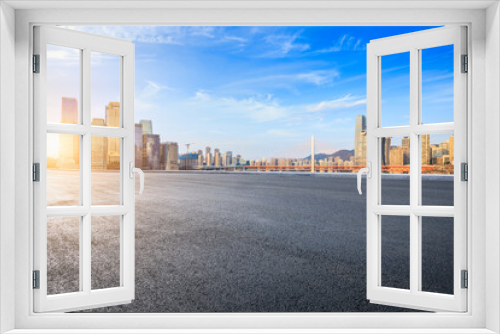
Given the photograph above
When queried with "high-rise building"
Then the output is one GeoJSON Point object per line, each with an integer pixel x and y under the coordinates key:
{"type": "Point", "coordinates": [113, 120]}
{"type": "Point", "coordinates": [69, 110]}
{"type": "Point", "coordinates": [99, 147]}
{"type": "Point", "coordinates": [69, 145]}
{"type": "Point", "coordinates": [200, 159]}
{"type": "Point", "coordinates": [151, 151]}
{"type": "Point", "coordinates": [386, 150]}
{"type": "Point", "coordinates": [207, 150]}
{"type": "Point", "coordinates": [169, 156]}
{"type": "Point", "coordinates": [147, 127]}
{"type": "Point", "coordinates": [406, 150]}
{"type": "Point", "coordinates": [138, 145]}
{"type": "Point", "coordinates": [227, 158]}
{"type": "Point", "coordinates": [112, 112]}
{"type": "Point", "coordinates": [208, 159]}
{"type": "Point", "coordinates": [396, 156]}
{"type": "Point", "coordinates": [217, 159]}
{"type": "Point", "coordinates": [451, 149]}
{"type": "Point", "coordinates": [360, 141]}
{"type": "Point", "coordinates": [189, 161]}
{"type": "Point", "coordinates": [426, 150]}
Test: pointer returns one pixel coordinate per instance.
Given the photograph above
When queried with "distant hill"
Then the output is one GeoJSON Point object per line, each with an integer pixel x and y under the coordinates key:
{"type": "Point", "coordinates": [342, 154]}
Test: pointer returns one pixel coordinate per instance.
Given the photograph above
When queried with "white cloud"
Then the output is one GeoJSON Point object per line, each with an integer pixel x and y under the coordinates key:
{"type": "Point", "coordinates": [345, 43]}
{"type": "Point", "coordinates": [318, 78]}
{"type": "Point", "coordinates": [250, 108]}
{"type": "Point", "coordinates": [346, 101]}
{"type": "Point", "coordinates": [145, 97]}
{"type": "Point", "coordinates": [284, 45]}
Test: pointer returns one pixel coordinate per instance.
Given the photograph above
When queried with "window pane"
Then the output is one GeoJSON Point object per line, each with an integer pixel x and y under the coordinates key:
{"type": "Point", "coordinates": [395, 237]}
{"type": "Point", "coordinates": [395, 164]}
{"type": "Point", "coordinates": [437, 254]}
{"type": "Point", "coordinates": [395, 89]}
{"type": "Point", "coordinates": [105, 176]}
{"type": "Point", "coordinates": [105, 252]}
{"type": "Point", "coordinates": [63, 169]}
{"type": "Point", "coordinates": [438, 169]}
{"type": "Point", "coordinates": [63, 84]}
{"type": "Point", "coordinates": [105, 90]}
{"type": "Point", "coordinates": [63, 255]}
{"type": "Point", "coordinates": [437, 84]}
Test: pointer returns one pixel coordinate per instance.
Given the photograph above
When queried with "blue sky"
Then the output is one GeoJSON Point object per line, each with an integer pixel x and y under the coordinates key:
{"type": "Point", "coordinates": [263, 91]}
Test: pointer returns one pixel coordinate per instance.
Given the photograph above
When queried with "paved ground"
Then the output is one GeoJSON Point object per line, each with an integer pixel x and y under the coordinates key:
{"type": "Point", "coordinates": [264, 243]}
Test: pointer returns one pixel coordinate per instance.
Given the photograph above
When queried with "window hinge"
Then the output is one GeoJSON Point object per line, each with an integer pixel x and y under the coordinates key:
{"type": "Point", "coordinates": [36, 279]}
{"type": "Point", "coordinates": [464, 170]}
{"type": "Point", "coordinates": [465, 279]}
{"type": "Point", "coordinates": [36, 63]}
{"type": "Point", "coordinates": [465, 64]}
{"type": "Point", "coordinates": [36, 172]}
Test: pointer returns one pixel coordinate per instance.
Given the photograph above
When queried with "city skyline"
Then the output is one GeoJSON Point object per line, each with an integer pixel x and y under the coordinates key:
{"type": "Point", "coordinates": [266, 89]}
{"type": "Point", "coordinates": [153, 154]}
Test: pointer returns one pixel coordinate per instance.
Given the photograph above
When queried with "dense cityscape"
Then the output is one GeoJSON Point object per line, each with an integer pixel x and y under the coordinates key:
{"type": "Point", "coordinates": [152, 154]}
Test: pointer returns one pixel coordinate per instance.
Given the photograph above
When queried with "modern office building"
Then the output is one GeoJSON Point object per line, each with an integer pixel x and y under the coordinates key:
{"type": "Point", "coordinates": [451, 149]}
{"type": "Point", "coordinates": [147, 127]}
{"type": "Point", "coordinates": [99, 147]}
{"type": "Point", "coordinates": [386, 151]}
{"type": "Point", "coordinates": [188, 161]}
{"type": "Point", "coordinates": [151, 151]}
{"type": "Point", "coordinates": [69, 145]}
{"type": "Point", "coordinates": [138, 146]}
{"type": "Point", "coordinates": [227, 158]}
{"type": "Point", "coordinates": [200, 159]}
{"type": "Point", "coordinates": [217, 158]}
{"type": "Point", "coordinates": [406, 150]}
{"type": "Point", "coordinates": [112, 114]}
{"type": "Point", "coordinates": [396, 157]}
{"type": "Point", "coordinates": [360, 141]}
{"type": "Point", "coordinates": [169, 156]}
{"type": "Point", "coordinates": [426, 149]}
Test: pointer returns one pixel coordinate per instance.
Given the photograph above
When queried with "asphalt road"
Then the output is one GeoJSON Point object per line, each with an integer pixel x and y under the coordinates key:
{"type": "Point", "coordinates": [235, 242]}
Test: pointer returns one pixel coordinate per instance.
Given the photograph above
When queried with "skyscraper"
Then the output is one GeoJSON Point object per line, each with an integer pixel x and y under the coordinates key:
{"type": "Point", "coordinates": [208, 156]}
{"type": "Point", "coordinates": [360, 141]}
{"type": "Point", "coordinates": [386, 151]}
{"type": "Point", "coordinates": [147, 127]}
{"type": "Point", "coordinates": [227, 158]}
{"type": "Point", "coordinates": [113, 120]}
{"type": "Point", "coordinates": [69, 110]}
{"type": "Point", "coordinates": [200, 159]}
{"type": "Point", "coordinates": [113, 114]}
{"type": "Point", "coordinates": [451, 149]}
{"type": "Point", "coordinates": [138, 146]}
{"type": "Point", "coordinates": [396, 156]}
{"type": "Point", "coordinates": [426, 150]}
{"type": "Point", "coordinates": [169, 156]}
{"type": "Point", "coordinates": [217, 159]}
{"type": "Point", "coordinates": [69, 145]}
{"type": "Point", "coordinates": [151, 151]}
{"type": "Point", "coordinates": [406, 150]}
{"type": "Point", "coordinates": [99, 147]}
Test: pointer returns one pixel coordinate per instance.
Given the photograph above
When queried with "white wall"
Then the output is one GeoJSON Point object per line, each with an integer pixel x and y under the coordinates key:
{"type": "Point", "coordinates": [7, 160]}
{"type": "Point", "coordinates": [492, 164]}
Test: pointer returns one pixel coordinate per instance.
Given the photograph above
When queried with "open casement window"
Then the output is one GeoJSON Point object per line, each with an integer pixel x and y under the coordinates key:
{"type": "Point", "coordinates": [83, 153]}
{"type": "Point", "coordinates": [410, 217]}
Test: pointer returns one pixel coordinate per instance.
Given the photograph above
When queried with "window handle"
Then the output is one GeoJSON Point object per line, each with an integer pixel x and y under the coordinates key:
{"type": "Point", "coordinates": [139, 171]}
{"type": "Point", "coordinates": [368, 171]}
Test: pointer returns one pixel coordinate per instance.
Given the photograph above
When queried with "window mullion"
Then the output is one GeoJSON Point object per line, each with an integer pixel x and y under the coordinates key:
{"type": "Point", "coordinates": [414, 170]}
{"type": "Point", "coordinates": [85, 180]}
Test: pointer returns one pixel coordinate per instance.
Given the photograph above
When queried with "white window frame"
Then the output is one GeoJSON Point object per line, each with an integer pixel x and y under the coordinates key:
{"type": "Point", "coordinates": [413, 43]}
{"type": "Point", "coordinates": [86, 297]}
{"type": "Point", "coordinates": [484, 308]}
